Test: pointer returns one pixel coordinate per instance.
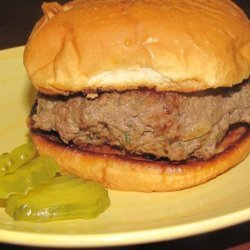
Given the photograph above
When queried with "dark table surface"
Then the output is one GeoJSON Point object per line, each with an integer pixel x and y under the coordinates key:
{"type": "Point", "coordinates": [17, 17]}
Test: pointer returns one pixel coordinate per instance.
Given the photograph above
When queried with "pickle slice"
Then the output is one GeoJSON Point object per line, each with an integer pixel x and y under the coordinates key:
{"type": "Point", "coordinates": [66, 197]}
{"type": "Point", "coordinates": [10, 162]}
{"type": "Point", "coordinates": [4, 163]}
{"type": "Point", "coordinates": [29, 176]}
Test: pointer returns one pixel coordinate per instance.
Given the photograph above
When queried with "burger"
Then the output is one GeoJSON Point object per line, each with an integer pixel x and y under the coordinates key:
{"type": "Point", "coordinates": [141, 95]}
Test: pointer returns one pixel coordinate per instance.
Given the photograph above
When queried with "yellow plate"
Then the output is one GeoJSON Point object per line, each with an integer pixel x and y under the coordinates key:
{"type": "Point", "coordinates": [132, 217]}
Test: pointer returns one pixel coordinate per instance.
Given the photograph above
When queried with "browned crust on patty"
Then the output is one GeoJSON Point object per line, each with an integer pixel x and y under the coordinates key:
{"type": "Point", "coordinates": [123, 172]}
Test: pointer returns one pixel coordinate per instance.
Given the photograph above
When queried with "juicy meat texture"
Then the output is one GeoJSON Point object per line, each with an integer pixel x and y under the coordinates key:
{"type": "Point", "coordinates": [145, 122]}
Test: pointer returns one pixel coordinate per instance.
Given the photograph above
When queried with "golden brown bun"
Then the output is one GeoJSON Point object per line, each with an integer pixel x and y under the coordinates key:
{"type": "Point", "coordinates": [138, 174]}
{"type": "Point", "coordinates": [168, 45]}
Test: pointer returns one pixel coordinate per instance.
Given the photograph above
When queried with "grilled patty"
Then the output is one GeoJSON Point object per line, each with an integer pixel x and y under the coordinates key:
{"type": "Point", "coordinates": [172, 125]}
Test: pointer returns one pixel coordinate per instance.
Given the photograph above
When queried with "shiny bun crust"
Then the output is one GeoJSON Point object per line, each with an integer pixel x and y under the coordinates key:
{"type": "Point", "coordinates": [176, 45]}
{"type": "Point", "coordinates": [146, 176]}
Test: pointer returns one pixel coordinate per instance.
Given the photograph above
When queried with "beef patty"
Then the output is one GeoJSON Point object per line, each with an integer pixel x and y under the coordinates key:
{"type": "Point", "coordinates": [177, 126]}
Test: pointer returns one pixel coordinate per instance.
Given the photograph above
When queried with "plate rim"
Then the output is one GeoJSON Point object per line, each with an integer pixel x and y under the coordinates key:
{"type": "Point", "coordinates": [124, 238]}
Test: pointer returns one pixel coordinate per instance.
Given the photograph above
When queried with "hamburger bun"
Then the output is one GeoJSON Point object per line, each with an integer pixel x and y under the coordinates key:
{"type": "Point", "coordinates": [92, 45]}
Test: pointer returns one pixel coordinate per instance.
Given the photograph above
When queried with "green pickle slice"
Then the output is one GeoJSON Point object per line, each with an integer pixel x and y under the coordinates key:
{"type": "Point", "coordinates": [31, 175]}
{"type": "Point", "coordinates": [10, 162]}
{"type": "Point", "coordinates": [66, 197]}
{"type": "Point", "coordinates": [4, 163]}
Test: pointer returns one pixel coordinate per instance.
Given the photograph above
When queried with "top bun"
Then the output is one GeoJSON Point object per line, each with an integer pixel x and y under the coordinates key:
{"type": "Point", "coordinates": [169, 45]}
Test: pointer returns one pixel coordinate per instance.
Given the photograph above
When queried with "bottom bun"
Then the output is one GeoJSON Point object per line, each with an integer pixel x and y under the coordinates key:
{"type": "Point", "coordinates": [120, 172]}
